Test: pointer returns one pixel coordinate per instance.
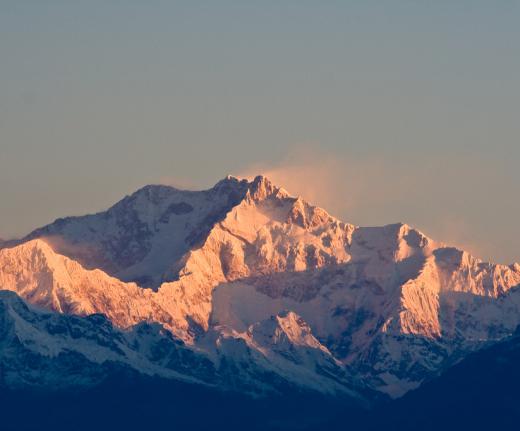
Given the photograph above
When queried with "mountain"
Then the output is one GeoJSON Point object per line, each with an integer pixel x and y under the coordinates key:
{"type": "Point", "coordinates": [220, 253]}
{"type": "Point", "coordinates": [399, 311]}
{"type": "Point", "coordinates": [478, 393]}
{"type": "Point", "coordinates": [269, 291]}
{"type": "Point", "coordinates": [52, 281]}
{"type": "Point", "coordinates": [143, 237]}
{"type": "Point", "coordinates": [54, 342]}
{"type": "Point", "coordinates": [59, 371]}
{"type": "Point", "coordinates": [42, 350]}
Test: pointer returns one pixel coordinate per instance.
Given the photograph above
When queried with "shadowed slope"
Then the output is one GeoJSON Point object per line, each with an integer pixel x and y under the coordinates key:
{"type": "Point", "coordinates": [143, 237]}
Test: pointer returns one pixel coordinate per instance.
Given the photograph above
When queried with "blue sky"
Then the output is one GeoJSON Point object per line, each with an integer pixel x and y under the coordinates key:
{"type": "Point", "coordinates": [402, 110]}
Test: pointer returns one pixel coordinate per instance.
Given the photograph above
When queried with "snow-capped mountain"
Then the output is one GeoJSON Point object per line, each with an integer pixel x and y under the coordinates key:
{"type": "Point", "coordinates": [143, 237]}
{"type": "Point", "coordinates": [254, 282]}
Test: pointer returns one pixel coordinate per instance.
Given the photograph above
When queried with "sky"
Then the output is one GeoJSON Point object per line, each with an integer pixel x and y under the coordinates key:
{"type": "Point", "coordinates": [378, 111]}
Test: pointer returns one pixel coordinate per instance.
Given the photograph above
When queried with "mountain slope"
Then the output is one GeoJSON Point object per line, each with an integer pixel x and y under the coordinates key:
{"type": "Point", "coordinates": [49, 350]}
{"type": "Point", "coordinates": [55, 282]}
{"type": "Point", "coordinates": [52, 281]}
{"type": "Point", "coordinates": [399, 310]}
{"type": "Point", "coordinates": [53, 351]}
{"type": "Point", "coordinates": [143, 237]}
{"type": "Point", "coordinates": [479, 393]}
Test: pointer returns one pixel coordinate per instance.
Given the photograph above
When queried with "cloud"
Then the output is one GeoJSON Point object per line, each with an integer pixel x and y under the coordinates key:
{"type": "Point", "coordinates": [441, 196]}
{"type": "Point", "coordinates": [340, 184]}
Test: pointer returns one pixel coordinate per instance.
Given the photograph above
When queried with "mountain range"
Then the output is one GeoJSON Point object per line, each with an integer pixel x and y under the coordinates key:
{"type": "Point", "coordinates": [245, 291]}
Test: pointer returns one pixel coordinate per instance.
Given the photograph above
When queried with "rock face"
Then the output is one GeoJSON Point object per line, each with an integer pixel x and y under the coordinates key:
{"type": "Point", "coordinates": [246, 274]}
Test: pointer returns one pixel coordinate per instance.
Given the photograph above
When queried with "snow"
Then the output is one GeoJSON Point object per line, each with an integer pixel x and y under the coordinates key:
{"type": "Point", "coordinates": [143, 237]}
{"type": "Point", "coordinates": [246, 272]}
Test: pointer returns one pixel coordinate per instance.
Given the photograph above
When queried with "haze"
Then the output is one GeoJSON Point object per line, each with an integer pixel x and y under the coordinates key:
{"type": "Point", "coordinates": [378, 111]}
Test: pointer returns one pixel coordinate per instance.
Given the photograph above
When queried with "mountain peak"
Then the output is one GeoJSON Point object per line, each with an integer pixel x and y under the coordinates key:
{"type": "Point", "coordinates": [285, 327]}
{"type": "Point", "coordinates": [231, 182]}
{"type": "Point", "coordinates": [38, 245]}
{"type": "Point", "coordinates": [261, 188]}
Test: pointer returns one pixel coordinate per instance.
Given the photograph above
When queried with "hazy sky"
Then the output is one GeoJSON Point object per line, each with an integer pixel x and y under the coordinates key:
{"type": "Point", "coordinates": [380, 111]}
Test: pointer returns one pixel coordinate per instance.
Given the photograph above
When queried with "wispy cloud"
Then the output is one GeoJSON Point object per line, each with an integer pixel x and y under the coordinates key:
{"type": "Point", "coordinates": [432, 194]}
{"type": "Point", "coordinates": [342, 185]}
